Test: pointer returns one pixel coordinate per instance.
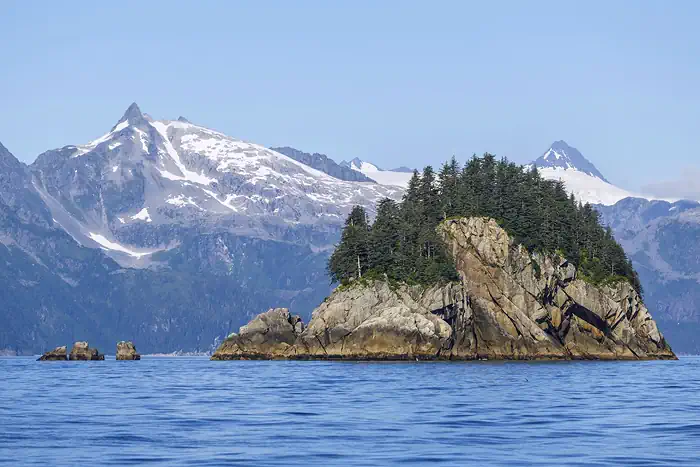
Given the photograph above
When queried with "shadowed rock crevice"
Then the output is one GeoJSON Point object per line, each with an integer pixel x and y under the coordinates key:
{"type": "Point", "coordinates": [508, 304]}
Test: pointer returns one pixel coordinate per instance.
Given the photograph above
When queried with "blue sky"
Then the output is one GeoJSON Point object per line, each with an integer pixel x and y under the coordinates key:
{"type": "Point", "coordinates": [394, 82]}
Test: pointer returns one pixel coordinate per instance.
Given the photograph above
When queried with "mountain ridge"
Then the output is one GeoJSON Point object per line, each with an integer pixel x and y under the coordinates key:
{"type": "Point", "coordinates": [133, 190]}
{"type": "Point", "coordinates": [324, 164]}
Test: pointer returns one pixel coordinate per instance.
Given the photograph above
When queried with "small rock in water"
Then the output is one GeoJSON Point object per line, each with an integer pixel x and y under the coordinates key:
{"type": "Point", "coordinates": [127, 351]}
{"type": "Point", "coordinates": [57, 354]}
{"type": "Point", "coordinates": [81, 351]}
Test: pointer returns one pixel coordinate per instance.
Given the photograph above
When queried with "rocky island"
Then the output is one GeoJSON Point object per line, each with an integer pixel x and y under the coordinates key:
{"type": "Point", "coordinates": [55, 355]}
{"type": "Point", "coordinates": [507, 304]}
{"type": "Point", "coordinates": [126, 350]}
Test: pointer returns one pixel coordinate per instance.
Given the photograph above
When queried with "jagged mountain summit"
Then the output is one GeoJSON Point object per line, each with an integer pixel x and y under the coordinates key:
{"type": "Point", "coordinates": [396, 177]}
{"type": "Point", "coordinates": [561, 155]}
{"type": "Point", "coordinates": [580, 176]}
{"type": "Point", "coordinates": [146, 183]}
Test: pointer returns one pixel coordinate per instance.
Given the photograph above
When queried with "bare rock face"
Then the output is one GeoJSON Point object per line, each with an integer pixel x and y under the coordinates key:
{"type": "Point", "coordinates": [269, 335]}
{"type": "Point", "coordinates": [57, 354]}
{"type": "Point", "coordinates": [509, 304]}
{"type": "Point", "coordinates": [81, 351]}
{"type": "Point", "coordinates": [381, 322]}
{"type": "Point", "coordinates": [530, 306]}
{"type": "Point", "coordinates": [127, 351]}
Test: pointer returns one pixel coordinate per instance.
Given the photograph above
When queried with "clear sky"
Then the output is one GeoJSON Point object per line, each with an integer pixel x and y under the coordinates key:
{"type": "Point", "coordinates": [393, 82]}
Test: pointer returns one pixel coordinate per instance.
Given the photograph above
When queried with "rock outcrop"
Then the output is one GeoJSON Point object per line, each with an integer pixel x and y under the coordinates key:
{"type": "Point", "coordinates": [269, 335]}
{"type": "Point", "coordinates": [509, 304]}
{"type": "Point", "coordinates": [82, 351]}
{"type": "Point", "coordinates": [57, 354]}
{"type": "Point", "coordinates": [127, 351]}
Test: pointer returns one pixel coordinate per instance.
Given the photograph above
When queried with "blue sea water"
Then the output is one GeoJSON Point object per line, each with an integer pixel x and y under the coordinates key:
{"type": "Point", "coordinates": [190, 411]}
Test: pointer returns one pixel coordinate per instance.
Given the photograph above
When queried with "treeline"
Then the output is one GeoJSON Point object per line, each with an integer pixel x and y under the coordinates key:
{"type": "Point", "coordinates": [403, 242]}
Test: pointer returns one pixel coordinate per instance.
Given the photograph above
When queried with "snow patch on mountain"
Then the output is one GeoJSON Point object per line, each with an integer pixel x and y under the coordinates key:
{"type": "Point", "coordinates": [587, 188]}
{"type": "Point", "coordinates": [113, 246]}
{"type": "Point", "coordinates": [86, 148]}
{"type": "Point", "coordinates": [383, 177]}
{"type": "Point", "coordinates": [182, 201]}
{"type": "Point", "coordinates": [187, 175]}
{"type": "Point", "coordinates": [142, 215]}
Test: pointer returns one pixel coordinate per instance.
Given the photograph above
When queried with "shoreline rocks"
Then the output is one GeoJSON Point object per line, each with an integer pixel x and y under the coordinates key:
{"type": "Point", "coordinates": [509, 304]}
{"type": "Point", "coordinates": [83, 352]}
{"type": "Point", "coordinates": [55, 355]}
{"type": "Point", "coordinates": [269, 335]}
{"type": "Point", "coordinates": [127, 351]}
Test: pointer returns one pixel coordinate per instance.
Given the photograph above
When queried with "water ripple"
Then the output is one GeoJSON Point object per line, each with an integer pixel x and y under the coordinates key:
{"type": "Point", "coordinates": [190, 411]}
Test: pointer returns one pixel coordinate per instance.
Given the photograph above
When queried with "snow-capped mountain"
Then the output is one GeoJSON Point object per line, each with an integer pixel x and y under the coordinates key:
{"type": "Point", "coordinates": [55, 290]}
{"type": "Point", "coordinates": [134, 190]}
{"type": "Point", "coordinates": [561, 155]}
{"type": "Point", "coordinates": [165, 232]}
{"type": "Point", "coordinates": [580, 176]}
{"type": "Point", "coordinates": [398, 177]}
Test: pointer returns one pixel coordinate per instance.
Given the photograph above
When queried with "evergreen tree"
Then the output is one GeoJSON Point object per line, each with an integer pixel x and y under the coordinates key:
{"type": "Point", "coordinates": [351, 258]}
{"type": "Point", "coordinates": [385, 254]}
{"type": "Point", "coordinates": [449, 188]}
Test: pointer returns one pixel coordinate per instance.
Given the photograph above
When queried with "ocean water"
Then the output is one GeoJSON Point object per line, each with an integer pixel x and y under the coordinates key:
{"type": "Point", "coordinates": [190, 411]}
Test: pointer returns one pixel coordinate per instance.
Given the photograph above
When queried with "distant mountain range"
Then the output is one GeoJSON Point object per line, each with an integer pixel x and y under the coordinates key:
{"type": "Point", "coordinates": [173, 235]}
{"type": "Point", "coordinates": [395, 177]}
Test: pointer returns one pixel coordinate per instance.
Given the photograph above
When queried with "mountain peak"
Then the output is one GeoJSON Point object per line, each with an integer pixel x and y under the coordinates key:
{"type": "Point", "coordinates": [7, 159]}
{"type": "Point", "coordinates": [562, 156]}
{"type": "Point", "coordinates": [360, 165]}
{"type": "Point", "coordinates": [132, 115]}
{"type": "Point", "coordinates": [561, 144]}
{"type": "Point", "coordinates": [357, 162]}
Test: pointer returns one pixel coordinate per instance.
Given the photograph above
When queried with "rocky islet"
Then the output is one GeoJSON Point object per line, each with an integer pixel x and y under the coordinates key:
{"type": "Point", "coordinates": [127, 351]}
{"type": "Point", "coordinates": [508, 304]}
{"type": "Point", "coordinates": [81, 351]}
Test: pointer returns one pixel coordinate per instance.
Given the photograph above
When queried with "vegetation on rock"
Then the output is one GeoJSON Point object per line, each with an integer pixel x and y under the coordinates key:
{"type": "Point", "coordinates": [403, 244]}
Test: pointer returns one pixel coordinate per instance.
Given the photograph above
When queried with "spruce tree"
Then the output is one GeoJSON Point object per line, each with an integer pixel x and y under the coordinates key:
{"type": "Point", "coordinates": [385, 254]}
{"type": "Point", "coordinates": [351, 258]}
